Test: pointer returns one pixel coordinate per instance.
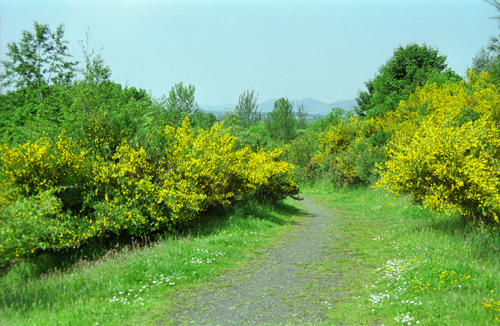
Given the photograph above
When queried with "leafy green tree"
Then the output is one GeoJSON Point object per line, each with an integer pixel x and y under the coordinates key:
{"type": "Point", "coordinates": [93, 87]}
{"type": "Point", "coordinates": [399, 76]}
{"type": "Point", "coordinates": [336, 116]}
{"type": "Point", "coordinates": [489, 61]}
{"type": "Point", "coordinates": [301, 117]}
{"type": "Point", "coordinates": [38, 59]}
{"type": "Point", "coordinates": [483, 60]}
{"type": "Point", "coordinates": [202, 120]}
{"type": "Point", "coordinates": [488, 58]}
{"type": "Point", "coordinates": [494, 44]}
{"type": "Point", "coordinates": [281, 122]}
{"type": "Point", "coordinates": [247, 109]}
{"type": "Point", "coordinates": [181, 103]}
{"type": "Point", "coordinates": [180, 100]}
{"type": "Point", "coordinates": [95, 71]}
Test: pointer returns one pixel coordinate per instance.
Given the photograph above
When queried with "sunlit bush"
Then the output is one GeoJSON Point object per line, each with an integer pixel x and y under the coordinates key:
{"type": "Point", "coordinates": [301, 152]}
{"type": "Point", "coordinates": [64, 193]}
{"type": "Point", "coordinates": [347, 154]}
{"type": "Point", "coordinates": [447, 157]}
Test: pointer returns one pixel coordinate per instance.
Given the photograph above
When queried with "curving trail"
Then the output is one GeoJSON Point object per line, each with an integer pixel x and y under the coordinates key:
{"type": "Point", "coordinates": [291, 285]}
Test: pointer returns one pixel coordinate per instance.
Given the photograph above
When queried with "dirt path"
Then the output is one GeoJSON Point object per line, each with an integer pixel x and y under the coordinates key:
{"type": "Point", "coordinates": [290, 286]}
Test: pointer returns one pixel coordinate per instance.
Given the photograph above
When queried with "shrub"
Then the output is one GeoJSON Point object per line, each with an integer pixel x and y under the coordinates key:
{"type": "Point", "coordinates": [451, 161]}
{"type": "Point", "coordinates": [356, 165]}
{"type": "Point", "coordinates": [347, 156]}
{"type": "Point", "coordinates": [66, 193]}
{"type": "Point", "coordinates": [300, 152]}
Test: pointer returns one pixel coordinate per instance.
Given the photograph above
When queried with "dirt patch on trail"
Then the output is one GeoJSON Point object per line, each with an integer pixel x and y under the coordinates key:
{"type": "Point", "coordinates": [292, 284]}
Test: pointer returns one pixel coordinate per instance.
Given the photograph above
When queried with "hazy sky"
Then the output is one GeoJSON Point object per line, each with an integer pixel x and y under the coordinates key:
{"type": "Point", "coordinates": [325, 50]}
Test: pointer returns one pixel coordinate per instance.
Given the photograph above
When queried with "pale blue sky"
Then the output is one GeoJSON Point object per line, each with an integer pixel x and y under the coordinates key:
{"type": "Point", "coordinates": [325, 50]}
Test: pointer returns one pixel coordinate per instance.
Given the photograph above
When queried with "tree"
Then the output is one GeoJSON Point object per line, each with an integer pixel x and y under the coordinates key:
{"type": "Point", "coordinates": [247, 109]}
{"type": "Point", "coordinates": [483, 60]}
{"type": "Point", "coordinates": [398, 77]}
{"type": "Point", "coordinates": [38, 59]}
{"type": "Point", "coordinates": [280, 122]}
{"type": "Point", "coordinates": [95, 70]}
{"type": "Point", "coordinates": [364, 98]}
{"type": "Point", "coordinates": [494, 44]}
{"type": "Point", "coordinates": [180, 100]}
{"type": "Point", "coordinates": [488, 59]}
{"type": "Point", "coordinates": [301, 117]}
{"type": "Point", "coordinates": [335, 117]}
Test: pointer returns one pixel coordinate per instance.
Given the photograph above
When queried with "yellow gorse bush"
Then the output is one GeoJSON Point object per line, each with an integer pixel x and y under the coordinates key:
{"type": "Point", "coordinates": [195, 172]}
{"type": "Point", "coordinates": [32, 217]}
{"type": "Point", "coordinates": [338, 138]}
{"type": "Point", "coordinates": [168, 178]}
{"type": "Point", "coordinates": [346, 152]}
{"type": "Point", "coordinates": [35, 166]}
{"type": "Point", "coordinates": [447, 156]}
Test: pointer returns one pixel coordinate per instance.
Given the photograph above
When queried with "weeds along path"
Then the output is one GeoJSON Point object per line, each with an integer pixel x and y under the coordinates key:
{"type": "Point", "coordinates": [292, 284]}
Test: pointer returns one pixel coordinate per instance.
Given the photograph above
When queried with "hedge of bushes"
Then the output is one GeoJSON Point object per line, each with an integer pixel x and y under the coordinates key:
{"type": "Point", "coordinates": [63, 192]}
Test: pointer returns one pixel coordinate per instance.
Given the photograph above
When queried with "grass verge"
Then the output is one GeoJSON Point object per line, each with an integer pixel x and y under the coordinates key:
{"type": "Point", "coordinates": [403, 265]}
{"type": "Point", "coordinates": [128, 282]}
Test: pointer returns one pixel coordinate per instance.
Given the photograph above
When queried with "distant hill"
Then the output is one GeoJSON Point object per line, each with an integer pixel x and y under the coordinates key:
{"type": "Point", "coordinates": [312, 106]}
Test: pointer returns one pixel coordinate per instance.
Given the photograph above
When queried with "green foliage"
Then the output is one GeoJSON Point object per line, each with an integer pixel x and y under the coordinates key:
{"type": "Point", "coordinates": [38, 59]}
{"type": "Point", "coordinates": [29, 226]}
{"type": "Point", "coordinates": [180, 100]}
{"type": "Point", "coordinates": [247, 110]}
{"type": "Point", "coordinates": [305, 151]}
{"type": "Point", "coordinates": [488, 58]}
{"type": "Point", "coordinates": [180, 104]}
{"type": "Point", "coordinates": [356, 165]}
{"type": "Point", "coordinates": [103, 157]}
{"type": "Point", "coordinates": [447, 76]}
{"type": "Point", "coordinates": [301, 117]}
{"type": "Point", "coordinates": [36, 110]}
{"type": "Point", "coordinates": [281, 122]}
{"type": "Point", "coordinates": [336, 116]}
{"type": "Point", "coordinates": [95, 70]}
{"type": "Point", "coordinates": [202, 120]}
{"type": "Point", "coordinates": [65, 108]}
{"type": "Point", "coordinates": [449, 161]}
{"type": "Point", "coordinates": [113, 179]}
{"type": "Point", "coordinates": [32, 288]}
{"type": "Point", "coordinates": [467, 115]}
{"type": "Point", "coordinates": [398, 77]}
{"type": "Point", "coordinates": [301, 152]}
{"type": "Point", "coordinates": [483, 61]}
{"type": "Point", "coordinates": [380, 137]}
{"type": "Point", "coordinates": [339, 148]}
{"type": "Point", "coordinates": [256, 136]}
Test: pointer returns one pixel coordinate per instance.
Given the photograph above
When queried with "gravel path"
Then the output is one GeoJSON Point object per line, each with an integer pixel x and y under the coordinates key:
{"type": "Point", "coordinates": [289, 286]}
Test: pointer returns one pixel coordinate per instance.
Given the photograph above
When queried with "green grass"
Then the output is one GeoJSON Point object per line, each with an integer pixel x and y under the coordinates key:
{"type": "Point", "coordinates": [404, 265]}
{"type": "Point", "coordinates": [128, 282]}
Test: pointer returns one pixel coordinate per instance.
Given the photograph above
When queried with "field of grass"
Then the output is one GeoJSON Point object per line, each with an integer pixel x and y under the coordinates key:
{"type": "Point", "coordinates": [400, 265]}
{"type": "Point", "coordinates": [408, 266]}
